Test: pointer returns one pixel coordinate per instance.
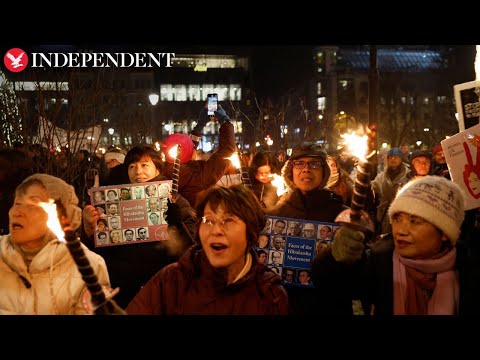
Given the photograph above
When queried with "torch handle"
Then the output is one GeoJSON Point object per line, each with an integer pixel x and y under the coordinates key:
{"type": "Point", "coordinates": [360, 190]}
{"type": "Point", "coordinates": [102, 304]}
{"type": "Point", "coordinates": [176, 173]}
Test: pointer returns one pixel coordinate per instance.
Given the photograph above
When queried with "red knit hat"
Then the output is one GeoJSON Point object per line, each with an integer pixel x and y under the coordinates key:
{"type": "Point", "coordinates": [436, 149]}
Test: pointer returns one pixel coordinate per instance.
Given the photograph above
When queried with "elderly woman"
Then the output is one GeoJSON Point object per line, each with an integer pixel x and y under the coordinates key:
{"type": "Point", "coordinates": [221, 275]}
{"type": "Point", "coordinates": [38, 276]}
{"type": "Point", "coordinates": [414, 269]}
{"type": "Point", "coordinates": [133, 264]}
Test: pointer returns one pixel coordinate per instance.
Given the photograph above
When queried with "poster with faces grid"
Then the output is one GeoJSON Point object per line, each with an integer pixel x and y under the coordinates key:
{"type": "Point", "coordinates": [288, 247]}
{"type": "Point", "coordinates": [131, 213]}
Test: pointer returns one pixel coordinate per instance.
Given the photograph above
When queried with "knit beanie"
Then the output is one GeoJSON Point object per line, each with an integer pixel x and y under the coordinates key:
{"type": "Point", "coordinates": [435, 199]}
{"type": "Point", "coordinates": [114, 154]}
{"type": "Point", "coordinates": [437, 149]}
{"type": "Point", "coordinates": [57, 189]}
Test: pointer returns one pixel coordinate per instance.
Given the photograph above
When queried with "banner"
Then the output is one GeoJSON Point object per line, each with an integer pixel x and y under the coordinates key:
{"type": "Point", "coordinates": [131, 213]}
{"type": "Point", "coordinates": [288, 247]}
{"type": "Point", "coordinates": [467, 104]}
{"type": "Point", "coordinates": [51, 135]}
{"type": "Point", "coordinates": [462, 152]}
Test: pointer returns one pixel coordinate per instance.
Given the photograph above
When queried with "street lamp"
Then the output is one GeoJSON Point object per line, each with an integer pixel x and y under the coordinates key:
{"type": "Point", "coordinates": [111, 131]}
{"type": "Point", "coordinates": [153, 98]}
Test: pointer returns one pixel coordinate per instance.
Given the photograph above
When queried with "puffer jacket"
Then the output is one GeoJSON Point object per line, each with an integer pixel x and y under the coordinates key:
{"type": "Point", "coordinates": [193, 286]}
{"type": "Point", "coordinates": [52, 285]}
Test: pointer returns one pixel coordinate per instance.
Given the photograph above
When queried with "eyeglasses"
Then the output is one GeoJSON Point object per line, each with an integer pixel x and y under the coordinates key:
{"type": "Point", "coordinates": [314, 164]}
{"type": "Point", "coordinates": [226, 223]}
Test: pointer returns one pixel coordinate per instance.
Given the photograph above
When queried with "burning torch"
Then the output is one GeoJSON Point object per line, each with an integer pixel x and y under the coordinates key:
{"type": "Point", "coordinates": [356, 217]}
{"type": "Point", "coordinates": [102, 304]}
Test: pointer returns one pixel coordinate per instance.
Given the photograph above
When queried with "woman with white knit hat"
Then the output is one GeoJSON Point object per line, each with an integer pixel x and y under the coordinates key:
{"type": "Point", "coordinates": [38, 276]}
{"type": "Point", "coordinates": [414, 269]}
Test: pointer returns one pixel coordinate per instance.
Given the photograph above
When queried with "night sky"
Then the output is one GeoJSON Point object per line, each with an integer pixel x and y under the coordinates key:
{"type": "Point", "coordinates": [278, 69]}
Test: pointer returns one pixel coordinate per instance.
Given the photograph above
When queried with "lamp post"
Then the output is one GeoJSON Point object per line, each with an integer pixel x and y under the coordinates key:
{"type": "Point", "coordinates": [111, 131]}
{"type": "Point", "coordinates": [153, 98]}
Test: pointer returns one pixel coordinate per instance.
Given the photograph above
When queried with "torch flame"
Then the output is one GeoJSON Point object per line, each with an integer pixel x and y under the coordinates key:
{"type": "Point", "coordinates": [477, 63]}
{"type": "Point", "coordinates": [53, 222]}
{"type": "Point", "coordinates": [235, 159]}
{"type": "Point", "coordinates": [358, 145]}
{"type": "Point", "coordinates": [173, 151]}
{"type": "Point", "coordinates": [279, 183]}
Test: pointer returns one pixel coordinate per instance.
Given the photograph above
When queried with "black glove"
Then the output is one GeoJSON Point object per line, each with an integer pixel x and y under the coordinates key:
{"type": "Point", "coordinates": [348, 245]}
{"type": "Point", "coordinates": [221, 115]}
{"type": "Point", "coordinates": [172, 215]}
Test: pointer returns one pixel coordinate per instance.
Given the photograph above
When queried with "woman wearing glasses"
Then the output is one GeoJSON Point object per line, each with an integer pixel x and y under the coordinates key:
{"type": "Point", "coordinates": [306, 174]}
{"type": "Point", "coordinates": [222, 274]}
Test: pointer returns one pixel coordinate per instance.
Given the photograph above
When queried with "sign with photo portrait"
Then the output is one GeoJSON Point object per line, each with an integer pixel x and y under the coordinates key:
{"type": "Point", "coordinates": [131, 213]}
{"type": "Point", "coordinates": [288, 247]}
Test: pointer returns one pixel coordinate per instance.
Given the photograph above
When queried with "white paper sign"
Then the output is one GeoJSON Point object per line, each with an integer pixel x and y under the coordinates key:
{"type": "Point", "coordinates": [462, 152]}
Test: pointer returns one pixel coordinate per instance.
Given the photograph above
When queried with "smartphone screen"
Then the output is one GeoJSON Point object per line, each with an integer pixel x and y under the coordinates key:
{"type": "Point", "coordinates": [212, 103]}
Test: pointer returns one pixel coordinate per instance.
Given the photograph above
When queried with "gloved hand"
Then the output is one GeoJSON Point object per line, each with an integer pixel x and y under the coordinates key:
{"type": "Point", "coordinates": [221, 115]}
{"type": "Point", "coordinates": [202, 120]}
{"type": "Point", "coordinates": [172, 215]}
{"type": "Point", "coordinates": [348, 245]}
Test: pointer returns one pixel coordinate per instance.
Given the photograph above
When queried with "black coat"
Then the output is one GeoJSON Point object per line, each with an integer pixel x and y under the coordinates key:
{"type": "Point", "coordinates": [318, 205]}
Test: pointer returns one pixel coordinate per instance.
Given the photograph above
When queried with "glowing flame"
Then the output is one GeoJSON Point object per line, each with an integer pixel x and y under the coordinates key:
{"type": "Point", "coordinates": [235, 159]}
{"type": "Point", "coordinates": [279, 183]}
{"type": "Point", "coordinates": [53, 222]}
{"type": "Point", "coordinates": [358, 145]}
{"type": "Point", "coordinates": [173, 151]}
{"type": "Point", "coordinates": [477, 63]}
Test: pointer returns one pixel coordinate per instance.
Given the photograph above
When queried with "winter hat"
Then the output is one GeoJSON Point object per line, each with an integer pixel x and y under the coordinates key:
{"type": "Point", "coordinates": [306, 149]}
{"type": "Point", "coordinates": [435, 199]}
{"type": "Point", "coordinates": [418, 153]}
{"type": "Point", "coordinates": [437, 149]}
{"type": "Point", "coordinates": [58, 189]}
{"type": "Point", "coordinates": [395, 152]}
{"type": "Point", "coordinates": [187, 147]}
{"type": "Point", "coordinates": [115, 154]}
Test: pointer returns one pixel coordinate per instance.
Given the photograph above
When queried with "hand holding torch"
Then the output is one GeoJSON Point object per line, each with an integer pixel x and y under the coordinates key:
{"type": "Point", "coordinates": [102, 304]}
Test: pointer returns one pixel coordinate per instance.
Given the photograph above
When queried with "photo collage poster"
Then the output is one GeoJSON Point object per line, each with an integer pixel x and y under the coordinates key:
{"type": "Point", "coordinates": [288, 247]}
{"type": "Point", "coordinates": [130, 213]}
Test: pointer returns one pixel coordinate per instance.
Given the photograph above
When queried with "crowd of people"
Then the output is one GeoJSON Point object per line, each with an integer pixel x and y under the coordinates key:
{"type": "Point", "coordinates": [421, 257]}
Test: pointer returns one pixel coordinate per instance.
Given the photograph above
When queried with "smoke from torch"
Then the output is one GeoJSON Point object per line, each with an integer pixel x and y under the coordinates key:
{"type": "Point", "coordinates": [103, 304]}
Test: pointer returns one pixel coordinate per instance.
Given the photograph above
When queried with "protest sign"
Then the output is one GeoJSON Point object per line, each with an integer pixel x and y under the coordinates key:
{"type": "Point", "coordinates": [131, 213]}
{"type": "Point", "coordinates": [467, 104]}
{"type": "Point", "coordinates": [462, 152]}
{"type": "Point", "coordinates": [288, 247]}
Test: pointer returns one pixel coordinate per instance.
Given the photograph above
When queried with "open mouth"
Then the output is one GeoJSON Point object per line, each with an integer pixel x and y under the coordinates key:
{"type": "Point", "coordinates": [17, 226]}
{"type": "Point", "coordinates": [218, 247]}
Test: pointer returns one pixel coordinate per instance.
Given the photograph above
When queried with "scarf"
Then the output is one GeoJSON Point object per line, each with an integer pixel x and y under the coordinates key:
{"type": "Point", "coordinates": [422, 287]}
{"type": "Point", "coordinates": [246, 268]}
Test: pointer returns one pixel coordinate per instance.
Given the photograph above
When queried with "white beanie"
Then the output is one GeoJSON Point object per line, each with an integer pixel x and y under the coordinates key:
{"type": "Point", "coordinates": [58, 189]}
{"type": "Point", "coordinates": [435, 199]}
{"type": "Point", "coordinates": [114, 156]}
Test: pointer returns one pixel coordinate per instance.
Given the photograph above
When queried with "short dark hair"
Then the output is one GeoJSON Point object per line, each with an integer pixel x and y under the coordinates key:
{"type": "Point", "coordinates": [238, 200]}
